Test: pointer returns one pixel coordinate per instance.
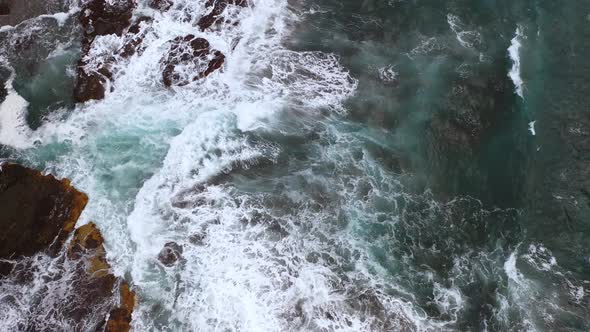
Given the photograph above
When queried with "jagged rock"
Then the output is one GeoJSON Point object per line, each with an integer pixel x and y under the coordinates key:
{"type": "Point", "coordinates": [170, 254]}
{"type": "Point", "coordinates": [162, 5]}
{"type": "Point", "coordinates": [38, 211]}
{"type": "Point", "coordinates": [134, 38]}
{"type": "Point", "coordinates": [195, 53]}
{"type": "Point", "coordinates": [90, 84]}
{"type": "Point", "coordinates": [120, 317]}
{"type": "Point", "coordinates": [102, 17]}
{"type": "Point", "coordinates": [38, 214]}
{"type": "Point", "coordinates": [99, 18]}
{"type": "Point", "coordinates": [216, 9]}
{"type": "Point", "coordinates": [98, 285]}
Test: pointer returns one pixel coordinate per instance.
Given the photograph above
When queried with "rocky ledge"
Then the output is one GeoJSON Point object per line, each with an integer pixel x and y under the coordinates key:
{"type": "Point", "coordinates": [39, 213]}
{"type": "Point", "coordinates": [99, 18]}
{"type": "Point", "coordinates": [189, 52]}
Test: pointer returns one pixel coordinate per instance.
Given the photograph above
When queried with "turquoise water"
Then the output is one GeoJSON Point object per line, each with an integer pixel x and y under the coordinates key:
{"type": "Point", "coordinates": [355, 166]}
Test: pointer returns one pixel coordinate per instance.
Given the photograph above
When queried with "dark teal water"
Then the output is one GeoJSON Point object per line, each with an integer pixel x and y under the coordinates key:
{"type": "Point", "coordinates": [422, 202]}
{"type": "Point", "coordinates": [451, 123]}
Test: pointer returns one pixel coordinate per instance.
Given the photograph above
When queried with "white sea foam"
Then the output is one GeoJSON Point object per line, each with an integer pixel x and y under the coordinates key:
{"type": "Point", "coordinates": [532, 128]}
{"type": "Point", "coordinates": [14, 130]}
{"type": "Point", "coordinates": [467, 38]}
{"type": "Point", "coordinates": [514, 53]}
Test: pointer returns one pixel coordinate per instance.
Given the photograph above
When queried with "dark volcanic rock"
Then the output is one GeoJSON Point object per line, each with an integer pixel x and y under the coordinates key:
{"type": "Point", "coordinates": [99, 18]}
{"type": "Point", "coordinates": [102, 17]}
{"type": "Point", "coordinates": [134, 37]}
{"type": "Point", "coordinates": [38, 211]}
{"type": "Point", "coordinates": [170, 254]}
{"type": "Point", "coordinates": [217, 7]}
{"type": "Point", "coordinates": [194, 53]}
{"type": "Point", "coordinates": [90, 84]}
{"type": "Point", "coordinates": [162, 5]}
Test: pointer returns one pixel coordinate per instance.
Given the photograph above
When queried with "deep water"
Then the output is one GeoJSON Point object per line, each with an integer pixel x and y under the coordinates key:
{"type": "Point", "coordinates": [357, 165]}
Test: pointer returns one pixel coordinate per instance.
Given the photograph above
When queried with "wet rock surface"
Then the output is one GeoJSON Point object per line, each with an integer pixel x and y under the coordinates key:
{"type": "Point", "coordinates": [38, 211]}
{"type": "Point", "coordinates": [195, 53]}
{"type": "Point", "coordinates": [216, 9]}
{"type": "Point", "coordinates": [99, 18]}
{"type": "Point", "coordinates": [134, 37]}
{"type": "Point", "coordinates": [38, 214]}
{"type": "Point", "coordinates": [170, 254]}
{"type": "Point", "coordinates": [162, 5]}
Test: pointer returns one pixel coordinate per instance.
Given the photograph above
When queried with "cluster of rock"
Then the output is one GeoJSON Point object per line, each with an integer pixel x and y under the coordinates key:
{"type": "Point", "coordinates": [39, 215]}
{"type": "Point", "coordinates": [102, 17]}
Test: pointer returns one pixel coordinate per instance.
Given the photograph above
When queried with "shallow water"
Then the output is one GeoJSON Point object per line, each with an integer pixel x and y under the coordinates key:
{"type": "Point", "coordinates": [360, 166]}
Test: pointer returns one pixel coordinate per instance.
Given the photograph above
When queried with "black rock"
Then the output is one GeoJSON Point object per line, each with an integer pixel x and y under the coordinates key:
{"type": "Point", "coordinates": [170, 254]}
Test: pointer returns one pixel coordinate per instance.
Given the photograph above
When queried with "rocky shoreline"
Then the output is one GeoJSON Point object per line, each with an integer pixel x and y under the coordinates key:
{"type": "Point", "coordinates": [40, 214]}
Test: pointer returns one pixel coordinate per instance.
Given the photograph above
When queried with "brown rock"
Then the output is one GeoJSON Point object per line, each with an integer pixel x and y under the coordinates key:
{"type": "Point", "coordinates": [134, 38]}
{"type": "Point", "coordinates": [38, 214]}
{"type": "Point", "coordinates": [120, 317]}
{"type": "Point", "coordinates": [216, 10]}
{"type": "Point", "coordinates": [191, 52]}
{"type": "Point", "coordinates": [38, 211]}
{"type": "Point", "coordinates": [90, 84]}
{"type": "Point", "coordinates": [98, 18]}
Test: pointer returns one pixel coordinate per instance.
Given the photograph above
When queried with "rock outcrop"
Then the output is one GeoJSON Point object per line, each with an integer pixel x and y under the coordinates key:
{"type": "Point", "coordinates": [170, 254]}
{"type": "Point", "coordinates": [39, 212]}
{"type": "Point", "coordinates": [216, 9]}
{"type": "Point", "coordinates": [162, 5]}
{"type": "Point", "coordinates": [99, 18]}
{"type": "Point", "coordinates": [195, 56]}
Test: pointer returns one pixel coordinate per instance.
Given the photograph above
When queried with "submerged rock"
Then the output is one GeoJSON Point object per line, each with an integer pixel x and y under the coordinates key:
{"type": "Point", "coordinates": [162, 5]}
{"type": "Point", "coordinates": [134, 37]}
{"type": "Point", "coordinates": [170, 254]}
{"type": "Point", "coordinates": [194, 53]}
{"type": "Point", "coordinates": [120, 317]}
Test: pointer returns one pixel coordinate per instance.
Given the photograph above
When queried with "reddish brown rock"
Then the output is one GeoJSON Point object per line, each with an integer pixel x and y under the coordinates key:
{"type": "Point", "coordinates": [190, 52]}
{"type": "Point", "coordinates": [38, 211]}
{"type": "Point", "coordinates": [90, 84]}
{"type": "Point", "coordinates": [99, 18]}
{"type": "Point", "coordinates": [87, 249]}
{"type": "Point", "coordinates": [134, 37]}
{"type": "Point", "coordinates": [38, 214]}
{"type": "Point", "coordinates": [170, 254]}
{"type": "Point", "coordinates": [216, 9]}
{"type": "Point", "coordinates": [103, 17]}
{"type": "Point", "coordinates": [120, 317]}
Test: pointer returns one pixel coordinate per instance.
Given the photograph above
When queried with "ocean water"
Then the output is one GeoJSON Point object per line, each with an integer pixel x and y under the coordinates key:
{"type": "Point", "coordinates": [355, 166]}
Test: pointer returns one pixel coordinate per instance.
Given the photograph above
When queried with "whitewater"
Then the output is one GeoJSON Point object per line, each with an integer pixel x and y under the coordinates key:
{"type": "Point", "coordinates": [296, 178]}
{"type": "Point", "coordinates": [152, 161]}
